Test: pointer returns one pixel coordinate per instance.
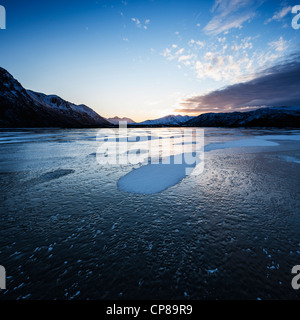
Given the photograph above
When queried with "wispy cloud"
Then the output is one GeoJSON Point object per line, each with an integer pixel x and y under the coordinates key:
{"type": "Point", "coordinates": [170, 54]}
{"type": "Point", "coordinates": [280, 45]}
{"type": "Point", "coordinates": [227, 59]}
{"type": "Point", "coordinates": [218, 67]}
{"type": "Point", "coordinates": [185, 57]}
{"type": "Point", "coordinates": [279, 15]}
{"type": "Point", "coordinates": [230, 14]}
{"type": "Point", "coordinates": [198, 43]}
{"type": "Point", "coordinates": [139, 24]}
{"type": "Point", "coordinates": [218, 61]}
{"type": "Point", "coordinates": [275, 86]}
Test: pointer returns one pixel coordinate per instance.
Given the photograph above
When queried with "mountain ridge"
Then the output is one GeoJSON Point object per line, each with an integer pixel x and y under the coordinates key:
{"type": "Point", "coordinates": [167, 120]}
{"type": "Point", "coordinates": [262, 117]}
{"type": "Point", "coordinates": [25, 108]}
{"type": "Point", "coordinates": [116, 120]}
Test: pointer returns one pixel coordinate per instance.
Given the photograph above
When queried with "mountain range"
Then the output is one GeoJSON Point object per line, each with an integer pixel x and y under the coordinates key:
{"type": "Point", "coordinates": [25, 108]}
{"type": "Point", "coordinates": [263, 117]}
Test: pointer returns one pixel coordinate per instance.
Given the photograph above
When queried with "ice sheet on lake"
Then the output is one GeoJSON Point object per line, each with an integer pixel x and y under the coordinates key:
{"type": "Point", "coordinates": [243, 143]}
{"type": "Point", "coordinates": [258, 141]}
{"type": "Point", "coordinates": [154, 178]}
{"type": "Point", "coordinates": [293, 137]}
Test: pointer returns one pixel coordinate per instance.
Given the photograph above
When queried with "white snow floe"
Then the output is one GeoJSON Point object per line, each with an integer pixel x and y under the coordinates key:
{"type": "Point", "coordinates": [290, 159]}
{"type": "Point", "coordinates": [211, 271]}
{"type": "Point", "coordinates": [154, 178]}
{"type": "Point", "coordinates": [243, 143]}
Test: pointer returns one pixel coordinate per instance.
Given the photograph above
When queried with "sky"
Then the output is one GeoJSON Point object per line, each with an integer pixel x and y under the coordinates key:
{"type": "Point", "coordinates": [145, 59]}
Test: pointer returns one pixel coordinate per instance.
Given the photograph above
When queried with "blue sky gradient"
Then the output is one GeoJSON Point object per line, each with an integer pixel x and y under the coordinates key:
{"type": "Point", "coordinates": [142, 58]}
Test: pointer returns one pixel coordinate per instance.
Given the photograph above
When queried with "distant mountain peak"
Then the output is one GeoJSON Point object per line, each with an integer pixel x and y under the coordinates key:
{"type": "Point", "coordinates": [170, 119]}
{"type": "Point", "coordinates": [115, 120]}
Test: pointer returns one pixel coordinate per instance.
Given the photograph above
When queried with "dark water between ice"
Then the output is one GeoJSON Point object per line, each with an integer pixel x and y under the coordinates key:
{"type": "Point", "coordinates": [67, 232]}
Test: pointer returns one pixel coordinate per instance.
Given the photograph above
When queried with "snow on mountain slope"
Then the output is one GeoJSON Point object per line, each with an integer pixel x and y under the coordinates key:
{"type": "Point", "coordinates": [56, 102]}
{"type": "Point", "coordinates": [263, 117]}
{"type": "Point", "coordinates": [25, 108]}
{"type": "Point", "coordinates": [116, 120]}
{"type": "Point", "coordinates": [168, 120]}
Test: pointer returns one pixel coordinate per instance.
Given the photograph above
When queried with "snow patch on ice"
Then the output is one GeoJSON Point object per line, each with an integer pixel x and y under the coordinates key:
{"type": "Point", "coordinates": [290, 159]}
{"type": "Point", "coordinates": [211, 271]}
{"type": "Point", "coordinates": [154, 178]}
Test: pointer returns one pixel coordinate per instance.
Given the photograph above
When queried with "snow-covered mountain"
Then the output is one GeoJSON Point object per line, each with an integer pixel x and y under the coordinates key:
{"type": "Point", "coordinates": [264, 117]}
{"type": "Point", "coordinates": [25, 108]}
{"type": "Point", "coordinates": [116, 120]}
{"type": "Point", "coordinates": [167, 121]}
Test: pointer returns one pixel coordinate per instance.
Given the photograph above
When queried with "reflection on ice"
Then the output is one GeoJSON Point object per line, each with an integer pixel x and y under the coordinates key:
{"type": "Point", "coordinates": [243, 143]}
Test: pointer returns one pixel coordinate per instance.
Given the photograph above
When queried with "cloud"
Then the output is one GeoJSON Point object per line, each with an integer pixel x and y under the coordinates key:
{"type": "Point", "coordinates": [230, 14]}
{"type": "Point", "coordinates": [180, 51]}
{"type": "Point", "coordinates": [213, 65]}
{"type": "Point", "coordinates": [217, 67]}
{"type": "Point", "coordinates": [280, 45]}
{"type": "Point", "coordinates": [199, 43]}
{"type": "Point", "coordinates": [167, 53]}
{"type": "Point", "coordinates": [139, 24]}
{"type": "Point", "coordinates": [275, 86]}
{"type": "Point", "coordinates": [185, 57]}
{"type": "Point", "coordinates": [137, 21]}
{"type": "Point", "coordinates": [279, 15]}
{"type": "Point", "coordinates": [226, 61]}
{"type": "Point", "coordinates": [232, 60]}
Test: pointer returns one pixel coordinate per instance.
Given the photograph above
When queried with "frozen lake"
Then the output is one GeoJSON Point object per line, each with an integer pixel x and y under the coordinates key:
{"type": "Point", "coordinates": [72, 228]}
